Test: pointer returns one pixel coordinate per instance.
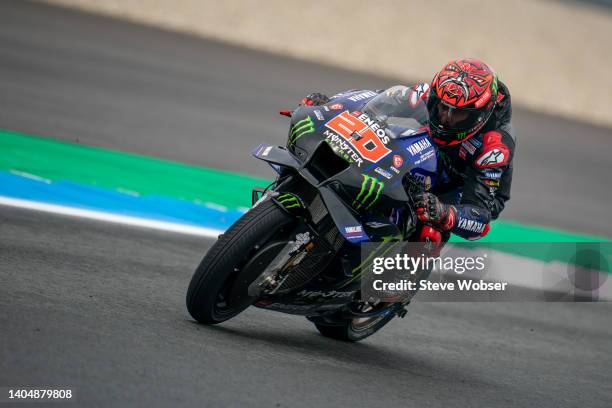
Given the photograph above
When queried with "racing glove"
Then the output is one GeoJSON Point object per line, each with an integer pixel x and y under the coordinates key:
{"type": "Point", "coordinates": [431, 210]}
{"type": "Point", "coordinates": [315, 99]}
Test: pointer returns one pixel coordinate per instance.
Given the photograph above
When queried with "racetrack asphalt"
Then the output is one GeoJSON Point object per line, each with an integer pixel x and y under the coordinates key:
{"type": "Point", "coordinates": [99, 308]}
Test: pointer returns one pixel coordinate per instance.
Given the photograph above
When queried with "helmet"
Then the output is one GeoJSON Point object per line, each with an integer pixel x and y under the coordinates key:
{"type": "Point", "coordinates": [461, 100]}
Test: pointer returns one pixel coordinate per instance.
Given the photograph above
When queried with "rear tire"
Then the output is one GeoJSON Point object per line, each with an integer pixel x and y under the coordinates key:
{"type": "Point", "coordinates": [352, 329]}
{"type": "Point", "coordinates": [212, 283]}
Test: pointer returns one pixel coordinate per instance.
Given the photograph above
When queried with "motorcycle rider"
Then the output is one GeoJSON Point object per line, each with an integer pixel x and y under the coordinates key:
{"type": "Point", "coordinates": [470, 116]}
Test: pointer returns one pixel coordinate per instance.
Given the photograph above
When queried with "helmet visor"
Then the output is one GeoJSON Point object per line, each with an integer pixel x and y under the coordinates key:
{"type": "Point", "coordinates": [452, 123]}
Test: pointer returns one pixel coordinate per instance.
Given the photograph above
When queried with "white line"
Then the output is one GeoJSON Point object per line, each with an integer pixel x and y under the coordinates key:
{"type": "Point", "coordinates": [30, 176]}
{"type": "Point", "coordinates": [109, 217]}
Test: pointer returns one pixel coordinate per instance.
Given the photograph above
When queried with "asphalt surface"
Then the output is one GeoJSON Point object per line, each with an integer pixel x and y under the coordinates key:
{"type": "Point", "coordinates": [99, 308]}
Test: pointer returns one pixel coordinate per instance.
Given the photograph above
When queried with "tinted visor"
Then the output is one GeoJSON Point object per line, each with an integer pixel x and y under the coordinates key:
{"type": "Point", "coordinates": [452, 124]}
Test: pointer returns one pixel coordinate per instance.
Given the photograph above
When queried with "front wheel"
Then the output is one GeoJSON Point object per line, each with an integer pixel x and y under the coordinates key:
{"type": "Point", "coordinates": [218, 288]}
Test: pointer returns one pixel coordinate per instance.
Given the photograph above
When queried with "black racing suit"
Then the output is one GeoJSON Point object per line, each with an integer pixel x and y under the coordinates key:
{"type": "Point", "coordinates": [476, 175]}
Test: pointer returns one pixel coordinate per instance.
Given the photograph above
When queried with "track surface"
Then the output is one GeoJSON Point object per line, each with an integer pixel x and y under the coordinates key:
{"type": "Point", "coordinates": [100, 308]}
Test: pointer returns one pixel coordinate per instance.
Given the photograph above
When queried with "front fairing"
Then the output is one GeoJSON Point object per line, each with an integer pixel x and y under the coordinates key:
{"type": "Point", "coordinates": [378, 157]}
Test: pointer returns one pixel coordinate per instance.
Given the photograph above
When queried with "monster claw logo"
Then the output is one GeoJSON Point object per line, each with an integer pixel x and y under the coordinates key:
{"type": "Point", "coordinates": [301, 128]}
{"type": "Point", "coordinates": [369, 193]}
{"type": "Point", "coordinates": [289, 200]}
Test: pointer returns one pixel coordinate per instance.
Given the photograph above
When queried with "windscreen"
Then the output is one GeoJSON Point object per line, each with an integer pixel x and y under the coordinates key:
{"type": "Point", "coordinates": [400, 109]}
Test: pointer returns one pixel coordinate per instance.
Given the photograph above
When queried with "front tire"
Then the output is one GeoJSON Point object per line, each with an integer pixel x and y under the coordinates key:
{"type": "Point", "coordinates": [213, 295]}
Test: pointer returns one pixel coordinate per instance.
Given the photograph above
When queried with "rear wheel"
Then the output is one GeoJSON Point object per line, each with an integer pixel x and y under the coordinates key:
{"type": "Point", "coordinates": [356, 328]}
{"type": "Point", "coordinates": [218, 288]}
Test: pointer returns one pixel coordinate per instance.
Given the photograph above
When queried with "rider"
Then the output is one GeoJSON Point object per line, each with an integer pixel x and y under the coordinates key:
{"type": "Point", "coordinates": [470, 122]}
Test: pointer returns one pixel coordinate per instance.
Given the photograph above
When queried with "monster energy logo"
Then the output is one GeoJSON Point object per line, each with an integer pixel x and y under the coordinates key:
{"type": "Point", "coordinates": [494, 85]}
{"type": "Point", "coordinates": [289, 201]}
{"type": "Point", "coordinates": [369, 193]}
{"type": "Point", "coordinates": [301, 128]}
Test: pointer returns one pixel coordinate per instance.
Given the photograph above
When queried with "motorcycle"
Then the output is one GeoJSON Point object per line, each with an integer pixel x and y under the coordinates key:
{"type": "Point", "coordinates": [346, 177]}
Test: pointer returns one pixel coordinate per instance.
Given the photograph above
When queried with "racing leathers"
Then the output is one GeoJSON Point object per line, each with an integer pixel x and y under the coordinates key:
{"type": "Point", "coordinates": [476, 175]}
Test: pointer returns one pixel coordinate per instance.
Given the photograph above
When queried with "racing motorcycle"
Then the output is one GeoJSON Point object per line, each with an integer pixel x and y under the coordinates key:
{"type": "Point", "coordinates": [346, 177]}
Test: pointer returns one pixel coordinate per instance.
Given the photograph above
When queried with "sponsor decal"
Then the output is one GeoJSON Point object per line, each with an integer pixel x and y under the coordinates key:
{"type": "Point", "coordinates": [362, 135]}
{"type": "Point", "coordinates": [496, 156]}
{"type": "Point", "coordinates": [397, 161]}
{"type": "Point", "coordinates": [395, 170]}
{"type": "Point", "coordinates": [361, 96]}
{"type": "Point", "coordinates": [418, 146]}
{"type": "Point", "coordinates": [318, 114]}
{"type": "Point", "coordinates": [425, 156]}
{"type": "Point", "coordinates": [267, 151]}
{"type": "Point", "coordinates": [493, 174]}
{"type": "Point", "coordinates": [383, 173]}
{"type": "Point", "coordinates": [372, 124]}
{"type": "Point", "coordinates": [492, 183]}
{"type": "Point", "coordinates": [369, 193]}
{"type": "Point", "coordinates": [471, 225]}
{"type": "Point", "coordinates": [469, 147]}
{"type": "Point", "coordinates": [475, 142]}
{"type": "Point", "coordinates": [326, 108]}
{"type": "Point", "coordinates": [337, 106]}
{"type": "Point", "coordinates": [495, 152]}
{"type": "Point", "coordinates": [301, 128]}
{"type": "Point", "coordinates": [353, 232]}
{"type": "Point", "coordinates": [332, 294]}
{"type": "Point", "coordinates": [483, 99]}
{"type": "Point", "coordinates": [289, 201]}
{"type": "Point", "coordinates": [462, 152]}
{"type": "Point", "coordinates": [342, 148]}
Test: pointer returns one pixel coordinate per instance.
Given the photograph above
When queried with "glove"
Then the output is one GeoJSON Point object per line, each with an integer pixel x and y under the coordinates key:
{"type": "Point", "coordinates": [431, 210]}
{"type": "Point", "coordinates": [315, 99]}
